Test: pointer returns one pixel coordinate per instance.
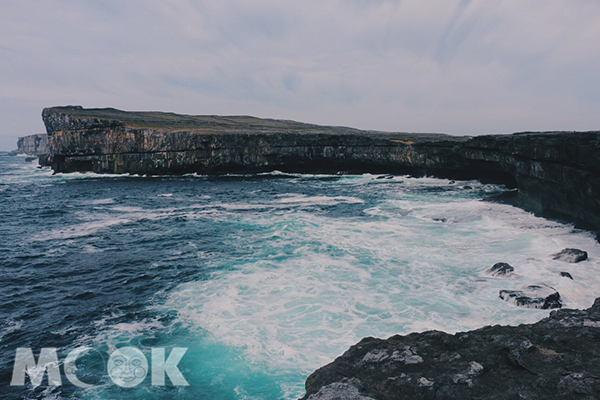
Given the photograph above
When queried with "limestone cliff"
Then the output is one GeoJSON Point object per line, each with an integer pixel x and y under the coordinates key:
{"type": "Point", "coordinates": [556, 173]}
{"type": "Point", "coordinates": [33, 145]}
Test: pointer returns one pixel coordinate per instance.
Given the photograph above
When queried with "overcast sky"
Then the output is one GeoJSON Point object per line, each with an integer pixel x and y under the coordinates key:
{"type": "Point", "coordinates": [454, 66]}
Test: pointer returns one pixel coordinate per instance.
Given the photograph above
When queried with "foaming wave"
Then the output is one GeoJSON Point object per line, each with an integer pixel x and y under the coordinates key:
{"type": "Point", "coordinates": [80, 230]}
{"type": "Point", "coordinates": [316, 285]}
{"type": "Point", "coordinates": [294, 198]}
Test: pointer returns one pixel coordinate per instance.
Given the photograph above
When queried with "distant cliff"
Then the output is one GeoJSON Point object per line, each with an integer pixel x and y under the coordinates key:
{"type": "Point", "coordinates": [556, 173]}
{"type": "Point", "coordinates": [33, 145]}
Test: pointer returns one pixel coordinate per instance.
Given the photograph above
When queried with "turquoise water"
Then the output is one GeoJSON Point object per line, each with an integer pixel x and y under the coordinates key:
{"type": "Point", "coordinates": [264, 278]}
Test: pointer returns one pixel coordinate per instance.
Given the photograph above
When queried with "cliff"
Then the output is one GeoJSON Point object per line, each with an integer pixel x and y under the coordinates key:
{"type": "Point", "coordinates": [556, 173]}
{"type": "Point", "coordinates": [33, 145]}
{"type": "Point", "coordinates": [556, 358]}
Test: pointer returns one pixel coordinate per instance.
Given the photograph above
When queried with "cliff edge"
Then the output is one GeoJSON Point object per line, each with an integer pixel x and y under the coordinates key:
{"type": "Point", "coordinates": [556, 173]}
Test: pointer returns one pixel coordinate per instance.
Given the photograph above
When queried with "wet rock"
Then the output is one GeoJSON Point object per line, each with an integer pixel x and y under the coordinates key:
{"type": "Point", "coordinates": [571, 255]}
{"type": "Point", "coordinates": [566, 275]}
{"type": "Point", "coordinates": [533, 296]}
{"type": "Point", "coordinates": [346, 389]}
{"type": "Point", "coordinates": [501, 269]}
{"type": "Point", "coordinates": [467, 187]}
{"type": "Point", "coordinates": [556, 358]}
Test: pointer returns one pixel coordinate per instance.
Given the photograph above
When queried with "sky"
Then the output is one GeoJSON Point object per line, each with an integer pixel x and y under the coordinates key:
{"type": "Point", "coordinates": [463, 67]}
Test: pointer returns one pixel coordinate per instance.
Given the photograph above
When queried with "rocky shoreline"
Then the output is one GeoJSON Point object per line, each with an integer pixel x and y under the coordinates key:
{"type": "Point", "coordinates": [555, 358]}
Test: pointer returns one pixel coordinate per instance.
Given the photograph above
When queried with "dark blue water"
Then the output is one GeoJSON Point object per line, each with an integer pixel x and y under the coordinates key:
{"type": "Point", "coordinates": [263, 278]}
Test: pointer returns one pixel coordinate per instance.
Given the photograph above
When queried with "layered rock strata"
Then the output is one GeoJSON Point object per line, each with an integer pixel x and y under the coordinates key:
{"type": "Point", "coordinates": [556, 173]}
{"type": "Point", "coordinates": [33, 145]}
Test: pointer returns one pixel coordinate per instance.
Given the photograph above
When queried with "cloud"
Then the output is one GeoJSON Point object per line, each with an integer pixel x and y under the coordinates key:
{"type": "Point", "coordinates": [462, 66]}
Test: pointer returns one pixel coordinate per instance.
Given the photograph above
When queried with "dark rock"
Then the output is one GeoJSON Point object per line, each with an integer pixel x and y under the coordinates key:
{"type": "Point", "coordinates": [555, 359]}
{"type": "Point", "coordinates": [533, 296]}
{"type": "Point", "coordinates": [30, 159]}
{"type": "Point", "coordinates": [566, 275]}
{"type": "Point", "coordinates": [385, 177]}
{"type": "Point", "coordinates": [501, 269]}
{"type": "Point", "coordinates": [467, 187]}
{"type": "Point", "coordinates": [571, 255]}
{"type": "Point", "coordinates": [452, 182]}
{"type": "Point", "coordinates": [45, 160]}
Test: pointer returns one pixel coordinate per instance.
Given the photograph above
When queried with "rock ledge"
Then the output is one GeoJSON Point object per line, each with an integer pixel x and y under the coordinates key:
{"type": "Point", "coordinates": [555, 358]}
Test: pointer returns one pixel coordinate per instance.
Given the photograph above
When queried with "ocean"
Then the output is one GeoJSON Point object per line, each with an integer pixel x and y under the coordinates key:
{"type": "Point", "coordinates": [262, 278]}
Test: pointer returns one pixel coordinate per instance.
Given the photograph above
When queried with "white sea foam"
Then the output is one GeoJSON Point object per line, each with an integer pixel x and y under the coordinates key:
{"type": "Point", "coordinates": [318, 284]}
{"type": "Point", "coordinates": [295, 198]}
{"type": "Point", "coordinates": [80, 230]}
{"type": "Point", "coordinates": [101, 201]}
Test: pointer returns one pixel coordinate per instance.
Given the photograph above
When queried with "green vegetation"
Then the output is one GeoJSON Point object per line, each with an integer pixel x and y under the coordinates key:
{"type": "Point", "coordinates": [238, 124]}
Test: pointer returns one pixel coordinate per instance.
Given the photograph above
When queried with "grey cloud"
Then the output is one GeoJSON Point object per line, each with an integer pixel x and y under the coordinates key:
{"type": "Point", "coordinates": [462, 67]}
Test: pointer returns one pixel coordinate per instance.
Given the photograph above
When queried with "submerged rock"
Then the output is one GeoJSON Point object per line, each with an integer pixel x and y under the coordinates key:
{"type": "Point", "coordinates": [501, 269]}
{"type": "Point", "coordinates": [566, 275]}
{"type": "Point", "coordinates": [556, 358]}
{"type": "Point", "coordinates": [571, 255]}
{"type": "Point", "coordinates": [533, 296]}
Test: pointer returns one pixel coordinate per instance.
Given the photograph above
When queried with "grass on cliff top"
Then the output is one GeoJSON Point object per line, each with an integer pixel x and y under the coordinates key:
{"type": "Point", "coordinates": [238, 124]}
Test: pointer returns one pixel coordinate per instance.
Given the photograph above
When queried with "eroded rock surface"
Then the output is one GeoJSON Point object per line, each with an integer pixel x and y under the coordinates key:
{"type": "Point", "coordinates": [556, 358]}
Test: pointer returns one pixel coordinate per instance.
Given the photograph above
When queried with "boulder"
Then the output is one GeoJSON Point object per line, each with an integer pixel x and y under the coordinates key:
{"type": "Point", "coordinates": [533, 296]}
{"type": "Point", "coordinates": [571, 255]}
{"type": "Point", "coordinates": [501, 269]}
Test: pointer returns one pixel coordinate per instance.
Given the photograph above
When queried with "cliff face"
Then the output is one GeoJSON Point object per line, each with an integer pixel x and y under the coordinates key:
{"type": "Point", "coordinates": [33, 145]}
{"type": "Point", "coordinates": [556, 358]}
{"type": "Point", "coordinates": [556, 173]}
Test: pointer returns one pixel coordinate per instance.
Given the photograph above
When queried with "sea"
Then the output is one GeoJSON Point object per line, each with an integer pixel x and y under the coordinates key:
{"type": "Point", "coordinates": [260, 278]}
